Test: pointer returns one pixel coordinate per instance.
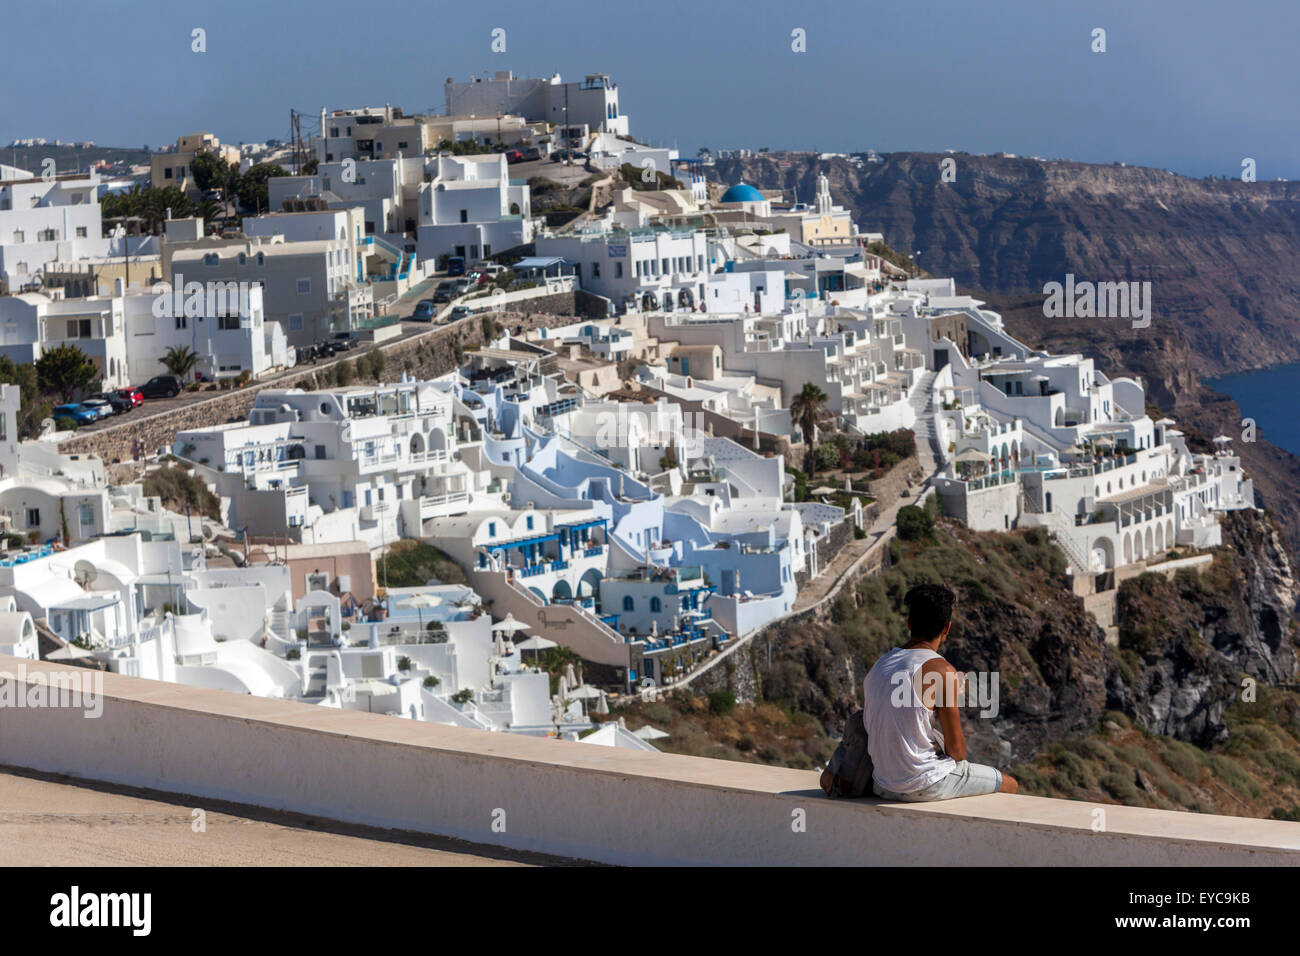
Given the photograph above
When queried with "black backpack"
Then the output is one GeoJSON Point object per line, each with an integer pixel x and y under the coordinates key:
{"type": "Point", "coordinates": [849, 772]}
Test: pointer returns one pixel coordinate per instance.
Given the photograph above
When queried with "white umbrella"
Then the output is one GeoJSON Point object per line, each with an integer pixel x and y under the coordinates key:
{"type": "Point", "coordinates": [499, 646]}
{"type": "Point", "coordinates": [508, 625]}
{"type": "Point", "coordinates": [568, 675]}
{"type": "Point", "coordinates": [535, 644]}
{"type": "Point", "coordinates": [650, 733]}
{"type": "Point", "coordinates": [654, 628]}
{"type": "Point", "coordinates": [585, 692]}
{"type": "Point", "coordinates": [602, 705]}
{"type": "Point", "coordinates": [420, 602]}
{"type": "Point", "coordinates": [563, 690]}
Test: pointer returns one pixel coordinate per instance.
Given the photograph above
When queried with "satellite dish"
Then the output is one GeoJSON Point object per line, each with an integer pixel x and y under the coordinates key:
{"type": "Point", "coordinates": [84, 573]}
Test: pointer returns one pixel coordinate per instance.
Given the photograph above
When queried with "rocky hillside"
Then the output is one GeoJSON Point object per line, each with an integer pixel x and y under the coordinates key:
{"type": "Point", "coordinates": [1174, 685]}
{"type": "Point", "coordinates": [1223, 258]}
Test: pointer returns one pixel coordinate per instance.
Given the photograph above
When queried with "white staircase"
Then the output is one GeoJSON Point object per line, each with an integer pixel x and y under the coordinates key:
{"type": "Point", "coordinates": [278, 621]}
{"type": "Point", "coordinates": [922, 403]}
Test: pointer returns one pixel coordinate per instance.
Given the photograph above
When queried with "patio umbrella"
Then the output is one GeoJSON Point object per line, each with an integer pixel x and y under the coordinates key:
{"type": "Point", "coordinates": [563, 690]}
{"type": "Point", "coordinates": [420, 602]}
{"type": "Point", "coordinates": [602, 705]}
{"type": "Point", "coordinates": [535, 644]}
{"type": "Point", "coordinates": [585, 692]}
{"type": "Point", "coordinates": [508, 625]}
{"type": "Point", "coordinates": [568, 675]}
{"type": "Point", "coordinates": [499, 646]}
{"type": "Point", "coordinates": [971, 455]}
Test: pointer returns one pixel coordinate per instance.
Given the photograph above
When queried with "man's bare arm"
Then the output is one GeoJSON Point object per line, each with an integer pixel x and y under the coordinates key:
{"type": "Point", "coordinates": [945, 679]}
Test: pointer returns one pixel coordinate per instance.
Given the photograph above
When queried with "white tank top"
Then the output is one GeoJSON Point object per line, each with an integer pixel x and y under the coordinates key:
{"type": "Point", "coordinates": [902, 732]}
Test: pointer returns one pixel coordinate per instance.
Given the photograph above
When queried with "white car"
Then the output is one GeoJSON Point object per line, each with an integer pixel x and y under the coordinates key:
{"type": "Point", "coordinates": [99, 406]}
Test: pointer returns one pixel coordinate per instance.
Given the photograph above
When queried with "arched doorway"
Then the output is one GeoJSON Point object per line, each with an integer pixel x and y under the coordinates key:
{"type": "Point", "coordinates": [589, 584]}
{"type": "Point", "coordinates": [561, 592]}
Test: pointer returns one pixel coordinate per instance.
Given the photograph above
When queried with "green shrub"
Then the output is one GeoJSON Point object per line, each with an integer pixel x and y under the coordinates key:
{"type": "Point", "coordinates": [722, 702]}
{"type": "Point", "coordinates": [914, 524]}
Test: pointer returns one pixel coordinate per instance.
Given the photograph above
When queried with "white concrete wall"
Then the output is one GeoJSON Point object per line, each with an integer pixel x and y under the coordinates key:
{"type": "Point", "coordinates": [596, 803]}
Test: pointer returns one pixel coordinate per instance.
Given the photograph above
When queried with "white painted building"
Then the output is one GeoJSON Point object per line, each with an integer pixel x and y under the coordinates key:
{"type": "Point", "coordinates": [44, 220]}
{"type": "Point", "coordinates": [309, 288]}
{"type": "Point", "coordinates": [370, 463]}
{"type": "Point", "coordinates": [641, 269]}
{"type": "Point", "coordinates": [591, 101]}
{"type": "Point", "coordinates": [470, 207]}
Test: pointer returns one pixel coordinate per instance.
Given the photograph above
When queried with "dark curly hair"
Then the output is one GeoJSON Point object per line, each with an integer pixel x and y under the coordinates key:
{"type": "Point", "coordinates": [929, 609]}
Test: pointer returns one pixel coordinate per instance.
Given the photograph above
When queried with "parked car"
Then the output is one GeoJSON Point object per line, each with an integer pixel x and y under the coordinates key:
{"type": "Point", "coordinates": [459, 286]}
{"type": "Point", "coordinates": [121, 405]}
{"type": "Point", "coordinates": [345, 340]}
{"type": "Point", "coordinates": [514, 156]}
{"type": "Point", "coordinates": [456, 266]}
{"type": "Point", "coordinates": [459, 312]}
{"type": "Point", "coordinates": [132, 395]}
{"type": "Point", "coordinates": [425, 310]}
{"type": "Point", "coordinates": [99, 406]}
{"type": "Point", "coordinates": [442, 296]}
{"type": "Point", "coordinates": [79, 414]}
{"type": "Point", "coordinates": [493, 269]}
{"type": "Point", "coordinates": [162, 386]}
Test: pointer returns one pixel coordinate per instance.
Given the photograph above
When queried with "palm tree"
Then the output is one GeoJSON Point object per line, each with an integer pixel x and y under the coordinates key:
{"type": "Point", "coordinates": [180, 360]}
{"type": "Point", "coordinates": [808, 409]}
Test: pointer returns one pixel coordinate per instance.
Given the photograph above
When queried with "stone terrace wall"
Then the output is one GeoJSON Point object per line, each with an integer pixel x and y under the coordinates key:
{"type": "Point", "coordinates": [426, 355]}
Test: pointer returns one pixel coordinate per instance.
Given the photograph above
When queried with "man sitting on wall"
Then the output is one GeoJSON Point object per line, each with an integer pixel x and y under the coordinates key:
{"type": "Point", "coordinates": [913, 723]}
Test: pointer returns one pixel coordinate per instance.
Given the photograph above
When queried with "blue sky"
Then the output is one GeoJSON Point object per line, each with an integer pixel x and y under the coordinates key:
{"type": "Point", "coordinates": [1192, 86]}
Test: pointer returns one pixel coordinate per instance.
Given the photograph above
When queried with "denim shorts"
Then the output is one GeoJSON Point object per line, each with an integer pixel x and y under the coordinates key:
{"type": "Point", "coordinates": [967, 780]}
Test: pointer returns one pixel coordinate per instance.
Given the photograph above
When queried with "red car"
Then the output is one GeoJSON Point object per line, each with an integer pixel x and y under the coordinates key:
{"type": "Point", "coordinates": [132, 395]}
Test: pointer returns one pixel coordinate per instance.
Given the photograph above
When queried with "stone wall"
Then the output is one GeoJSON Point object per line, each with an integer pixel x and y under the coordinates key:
{"type": "Point", "coordinates": [426, 355]}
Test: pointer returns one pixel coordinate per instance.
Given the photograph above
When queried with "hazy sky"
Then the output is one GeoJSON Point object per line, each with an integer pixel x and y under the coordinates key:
{"type": "Point", "coordinates": [1189, 85]}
